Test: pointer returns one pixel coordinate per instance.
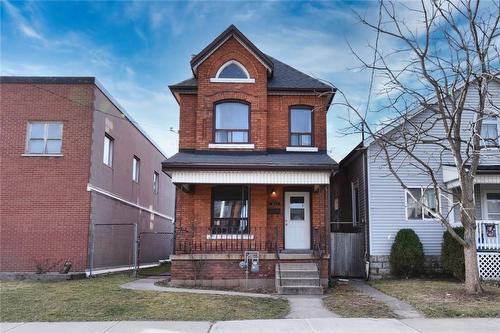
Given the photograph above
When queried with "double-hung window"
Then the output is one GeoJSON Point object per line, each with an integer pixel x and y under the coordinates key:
{"type": "Point", "coordinates": [301, 127]}
{"type": "Point", "coordinates": [136, 168]}
{"type": "Point", "coordinates": [490, 132]}
{"type": "Point", "coordinates": [107, 156]}
{"type": "Point", "coordinates": [230, 207]}
{"type": "Point", "coordinates": [231, 122]}
{"type": "Point", "coordinates": [44, 138]}
{"type": "Point", "coordinates": [420, 203]}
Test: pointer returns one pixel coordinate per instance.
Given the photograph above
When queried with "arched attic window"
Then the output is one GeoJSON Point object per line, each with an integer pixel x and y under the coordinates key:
{"type": "Point", "coordinates": [232, 71]}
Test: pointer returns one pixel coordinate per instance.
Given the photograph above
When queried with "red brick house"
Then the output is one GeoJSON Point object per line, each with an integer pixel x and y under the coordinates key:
{"type": "Point", "coordinates": [72, 161]}
{"type": "Point", "coordinates": [252, 171]}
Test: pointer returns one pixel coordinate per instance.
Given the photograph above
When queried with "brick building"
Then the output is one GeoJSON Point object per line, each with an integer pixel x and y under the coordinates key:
{"type": "Point", "coordinates": [71, 161]}
{"type": "Point", "coordinates": [252, 171]}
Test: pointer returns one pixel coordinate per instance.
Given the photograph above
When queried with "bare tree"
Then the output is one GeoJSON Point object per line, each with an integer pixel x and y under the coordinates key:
{"type": "Point", "coordinates": [443, 57]}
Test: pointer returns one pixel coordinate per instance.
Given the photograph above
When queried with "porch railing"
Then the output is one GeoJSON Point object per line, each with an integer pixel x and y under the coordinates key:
{"type": "Point", "coordinates": [488, 235]}
{"type": "Point", "coordinates": [191, 240]}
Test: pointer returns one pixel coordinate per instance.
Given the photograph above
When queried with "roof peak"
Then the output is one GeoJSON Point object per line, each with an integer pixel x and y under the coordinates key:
{"type": "Point", "coordinates": [231, 31]}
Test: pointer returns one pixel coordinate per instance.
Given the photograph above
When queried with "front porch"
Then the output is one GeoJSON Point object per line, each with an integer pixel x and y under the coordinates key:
{"type": "Point", "coordinates": [219, 225]}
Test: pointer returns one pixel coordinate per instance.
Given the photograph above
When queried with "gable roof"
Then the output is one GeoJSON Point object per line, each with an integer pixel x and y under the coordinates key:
{"type": "Point", "coordinates": [285, 78]}
{"type": "Point", "coordinates": [231, 31]}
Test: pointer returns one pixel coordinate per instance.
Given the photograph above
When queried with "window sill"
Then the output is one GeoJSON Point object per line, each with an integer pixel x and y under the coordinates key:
{"type": "Point", "coordinates": [231, 145]}
{"type": "Point", "coordinates": [302, 149]}
{"type": "Point", "coordinates": [231, 236]}
{"type": "Point", "coordinates": [42, 155]}
{"type": "Point", "coordinates": [218, 80]}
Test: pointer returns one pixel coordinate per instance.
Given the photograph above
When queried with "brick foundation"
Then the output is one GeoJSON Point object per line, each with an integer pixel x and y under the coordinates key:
{"type": "Point", "coordinates": [206, 272]}
{"type": "Point", "coordinates": [381, 268]}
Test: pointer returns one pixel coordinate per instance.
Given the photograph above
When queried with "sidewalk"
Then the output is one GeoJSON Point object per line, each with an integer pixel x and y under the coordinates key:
{"type": "Point", "coordinates": [319, 325]}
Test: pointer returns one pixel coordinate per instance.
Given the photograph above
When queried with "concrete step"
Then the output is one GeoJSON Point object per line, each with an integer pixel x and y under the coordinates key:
{"type": "Point", "coordinates": [299, 274]}
{"type": "Point", "coordinates": [285, 282]}
{"type": "Point", "coordinates": [300, 290]}
{"type": "Point", "coordinates": [292, 266]}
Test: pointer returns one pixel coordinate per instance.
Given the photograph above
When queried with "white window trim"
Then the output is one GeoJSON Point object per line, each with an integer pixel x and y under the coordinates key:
{"type": "Point", "coordinates": [137, 169]}
{"type": "Point", "coordinates": [491, 121]}
{"type": "Point", "coordinates": [217, 79]}
{"type": "Point", "coordinates": [484, 202]}
{"type": "Point", "coordinates": [110, 150]}
{"type": "Point", "coordinates": [28, 131]}
{"type": "Point", "coordinates": [231, 145]}
{"type": "Point", "coordinates": [422, 189]}
{"type": "Point", "coordinates": [302, 149]}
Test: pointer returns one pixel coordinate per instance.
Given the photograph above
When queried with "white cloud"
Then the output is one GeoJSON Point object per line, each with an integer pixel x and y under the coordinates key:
{"type": "Point", "coordinates": [22, 23]}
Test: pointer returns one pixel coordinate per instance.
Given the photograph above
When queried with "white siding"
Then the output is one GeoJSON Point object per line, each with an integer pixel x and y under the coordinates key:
{"type": "Point", "coordinates": [387, 197]}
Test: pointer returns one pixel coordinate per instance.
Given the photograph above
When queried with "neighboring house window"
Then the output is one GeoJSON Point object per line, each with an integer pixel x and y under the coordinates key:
{"type": "Point", "coordinates": [232, 70]}
{"type": "Point", "coordinates": [416, 199]}
{"type": "Point", "coordinates": [493, 206]}
{"type": "Point", "coordinates": [230, 210]}
{"type": "Point", "coordinates": [136, 167]}
{"type": "Point", "coordinates": [300, 126]}
{"type": "Point", "coordinates": [355, 203]}
{"type": "Point", "coordinates": [489, 132]}
{"type": "Point", "coordinates": [44, 138]}
{"type": "Point", "coordinates": [107, 156]}
{"type": "Point", "coordinates": [231, 122]}
{"type": "Point", "coordinates": [156, 182]}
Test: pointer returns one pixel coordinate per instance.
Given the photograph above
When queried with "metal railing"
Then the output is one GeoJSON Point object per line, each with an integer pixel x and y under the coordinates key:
{"type": "Point", "coordinates": [215, 240]}
{"type": "Point", "coordinates": [488, 234]}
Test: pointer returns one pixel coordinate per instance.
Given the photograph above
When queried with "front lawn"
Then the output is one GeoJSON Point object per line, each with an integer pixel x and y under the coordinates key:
{"type": "Point", "coordinates": [347, 302]}
{"type": "Point", "coordinates": [441, 298]}
{"type": "Point", "coordinates": [101, 298]}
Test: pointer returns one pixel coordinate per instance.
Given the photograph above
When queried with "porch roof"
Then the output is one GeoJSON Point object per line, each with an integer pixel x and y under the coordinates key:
{"type": "Point", "coordinates": [486, 174]}
{"type": "Point", "coordinates": [249, 160]}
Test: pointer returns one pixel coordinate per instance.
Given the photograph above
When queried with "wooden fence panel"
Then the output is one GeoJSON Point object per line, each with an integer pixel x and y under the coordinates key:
{"type": "Point", "coordinates": [347, 257]}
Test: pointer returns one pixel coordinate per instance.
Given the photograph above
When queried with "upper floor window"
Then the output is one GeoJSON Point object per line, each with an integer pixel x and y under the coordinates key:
{"type": "Point", "coordinates": [232, 71]}
{"type": "Point", "coordinates": [420, 203]}
{"type": "Point", "coordinates": [301, 127]}
{"type": "Point", "coordinates": [44, 138]}
{"type": "Point", "coordinates": [136, 168]}
{"type": "Point", "coordinates": [231, 122]}
{"type": "Point", "coordinates": [490, 132]}
{"type": "Point", "coordinates": [107, 156]}
{"type": "Point", "coordinates": [156, 182]}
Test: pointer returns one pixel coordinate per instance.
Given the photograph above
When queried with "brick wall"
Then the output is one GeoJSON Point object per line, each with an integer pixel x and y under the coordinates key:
{"type": "Point", "coordinates": [268, 113]}
{"type": "Point", "coordinates": [44, 205]}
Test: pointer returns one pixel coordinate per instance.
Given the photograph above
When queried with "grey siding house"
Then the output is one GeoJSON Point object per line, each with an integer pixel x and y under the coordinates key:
{"type": "Point", "coordinates": [364, 192]}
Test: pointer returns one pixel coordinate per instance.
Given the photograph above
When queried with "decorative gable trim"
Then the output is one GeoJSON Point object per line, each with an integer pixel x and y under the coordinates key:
{"type": "Point", "coordinates": [231, 31]}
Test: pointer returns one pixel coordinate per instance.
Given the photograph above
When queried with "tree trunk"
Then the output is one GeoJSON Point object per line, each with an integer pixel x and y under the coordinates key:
{"type": "Point", "coordinates": [468, 218]}
{"type": "Point", "coordinates": [472, 280]}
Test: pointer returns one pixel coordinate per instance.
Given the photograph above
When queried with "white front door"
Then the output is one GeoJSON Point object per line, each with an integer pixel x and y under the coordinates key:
{"type": "Point", "coordinates": [297, 221]}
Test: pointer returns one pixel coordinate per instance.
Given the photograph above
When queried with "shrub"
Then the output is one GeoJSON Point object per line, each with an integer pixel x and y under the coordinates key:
{"type": "Point", "coordinates": [407, 254]}
{"type": "Point", "coordinates": [452, 255]}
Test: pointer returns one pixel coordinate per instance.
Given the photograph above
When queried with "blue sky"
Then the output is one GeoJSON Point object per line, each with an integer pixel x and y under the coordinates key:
{"type": "Point", "coordinates": [136, 49]}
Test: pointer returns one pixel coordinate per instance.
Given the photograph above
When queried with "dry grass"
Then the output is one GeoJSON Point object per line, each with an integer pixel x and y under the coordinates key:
{"type": "Point", "coordinates": [348, 302]}
{"type": "Point", "coordinates": [102, 299]}
{"type": "Point", "coordinates": [442, 298]}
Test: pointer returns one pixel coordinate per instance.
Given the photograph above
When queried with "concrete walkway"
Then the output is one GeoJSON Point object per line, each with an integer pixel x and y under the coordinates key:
{"type": "Point", "coordinates": [319, 325]}
{"type": "Point", "coordinates": [303, 307]}
{"type": "Point", "coordinates": [149, 285]}
{"type": "Point", "coordinates": [300, 306]}
{"type": "Point", "coordinates": [402, 309]}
